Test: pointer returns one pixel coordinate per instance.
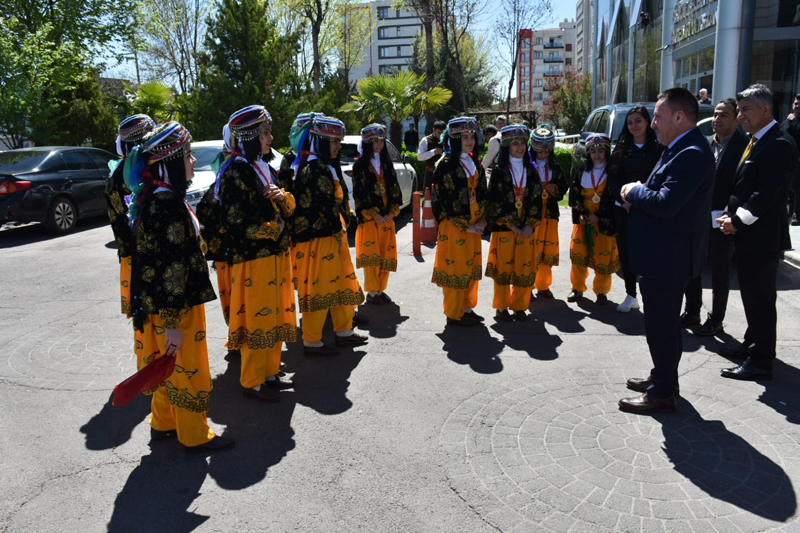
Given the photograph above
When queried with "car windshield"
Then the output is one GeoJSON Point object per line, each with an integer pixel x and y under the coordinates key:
{"type": "Point", "coordinates": [14, 162]}
{"type": "Point", "coordinates": [348, 153]}
{"type": "Point", "coordinates": [205, 155]}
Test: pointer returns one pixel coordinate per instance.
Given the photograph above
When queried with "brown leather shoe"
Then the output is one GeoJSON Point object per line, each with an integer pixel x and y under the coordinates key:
{"type": "Point", "coordinates": [646, 404]}
{"type": "Point", "coordinates": [642, 384]}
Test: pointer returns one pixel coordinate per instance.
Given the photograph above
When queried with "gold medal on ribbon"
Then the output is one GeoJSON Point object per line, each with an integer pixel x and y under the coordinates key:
{"type": "Point", "coordinates": [518, 203]}
{"type": "Point", "coordinates": [595, 199]}
{"type": "Point", "coordinates": [545, 196]}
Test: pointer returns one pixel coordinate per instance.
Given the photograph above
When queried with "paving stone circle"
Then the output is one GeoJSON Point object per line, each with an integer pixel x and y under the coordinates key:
{"type": "Point", "coordinates": [553, 453]}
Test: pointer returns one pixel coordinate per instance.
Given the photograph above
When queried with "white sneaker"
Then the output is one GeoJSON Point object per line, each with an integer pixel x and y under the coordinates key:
{"type": "Point", "coordinates": [629, 303]}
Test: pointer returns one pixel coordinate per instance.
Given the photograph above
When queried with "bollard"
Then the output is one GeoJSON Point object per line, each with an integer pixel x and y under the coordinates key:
{"type": "Point", "coordinates": [428, 226]}
{"type": "Point", "coordinates": [415, 208]}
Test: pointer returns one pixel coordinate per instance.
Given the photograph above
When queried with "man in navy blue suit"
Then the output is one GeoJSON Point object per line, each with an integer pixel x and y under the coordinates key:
{"type": "Point", "coordinates": [668, 230]}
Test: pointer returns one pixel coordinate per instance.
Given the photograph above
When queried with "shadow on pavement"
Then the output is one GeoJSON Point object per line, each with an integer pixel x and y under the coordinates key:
{"type": "Point", "coordinates": [160, 492]}
{"type": "Point", "coordinates": [559, 314]}
{"type": "Point", "coordinates": [726, 466]}
{"type": "Point", "coordinates": [630, 323]}
{"type": "Point", "coordinates": [383, 319]}
{"type": "Point", "coordinates": [262, 430]}
{"type": "Point", "coordinates": [11, 237]}
{"type": "Point", "coordinates": [112, 426]}
{"type": "Point", "coordinates": [473, 346]}
{"type": "Point", "coordinates": [530, 337]}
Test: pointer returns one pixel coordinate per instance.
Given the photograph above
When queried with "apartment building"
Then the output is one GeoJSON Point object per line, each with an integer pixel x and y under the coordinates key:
{"type": "Point", "coordinates": [544, 56]}
{"type": "Point", "coordinates": [584, 22]}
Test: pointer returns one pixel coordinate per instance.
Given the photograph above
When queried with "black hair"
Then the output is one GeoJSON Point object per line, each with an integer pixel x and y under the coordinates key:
{"type": "Point", "coordinates": [680, 99]}
{"type": "Point", "coordinates": [455, 148]}
{"type": "Point", "coordinates": [734, 104]}
{"type": "Point", "coordinates": [439, 125]}
{"type": "Point", "coordinates": [252, 148]}
{"type": "Point", "coordinates": [176, 171]}
{"type": "Point", "coordinates": [626, 137]}
{"type": "Point", "coordinates": [324, 155]}
{"type": "Point", "coordinates": [266, 158]}
{"type": "Point", "coordinates": [489, 130]}
{"type": "Point", "coordinates": [368, 151]}
{"type": "Point", "coordinates": [551, 157]}
{"type": "Point", "coordinates": [127, 147]}
{"type": "Point", "coordinates": [504, 156]}
{"type": "Point", "coordinates": [590, 163]}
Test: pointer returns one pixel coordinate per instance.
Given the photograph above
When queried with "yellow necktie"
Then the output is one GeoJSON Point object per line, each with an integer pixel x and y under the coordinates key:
{"type": "Point", "coordinates": [753, 140]}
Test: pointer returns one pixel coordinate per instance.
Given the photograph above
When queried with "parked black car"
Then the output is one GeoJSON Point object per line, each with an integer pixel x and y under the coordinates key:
{"type": "Point", "coordinates": [56, 185]}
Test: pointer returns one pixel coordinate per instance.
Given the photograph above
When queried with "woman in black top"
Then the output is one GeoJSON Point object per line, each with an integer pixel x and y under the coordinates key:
{"type": "Point", "coordinates": [633, 159]}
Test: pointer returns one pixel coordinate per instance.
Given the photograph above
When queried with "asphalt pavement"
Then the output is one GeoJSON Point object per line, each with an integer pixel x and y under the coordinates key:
{"type": "Point", "coordinates": [506, 427]}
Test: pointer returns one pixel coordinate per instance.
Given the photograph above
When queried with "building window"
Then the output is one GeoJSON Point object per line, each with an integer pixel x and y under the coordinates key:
{"type": "Point", "coordinates": [539, 40]}
{"type": "Point", "coordinates": [526, 43]}
{"type": "Point", "coordinates": [569, 47]}
{"type": "Point", "coordinates": [383, 12]}
{"type": "Point", "coordinates": [526, 85]}
{"type": "Point", "coordinates": [538, 97]}
{"type": "Point", "coordinates": [538, 55]}
{"type": "Point", "coordinates": [568, 61]}
{"type": "Point", "coordinates": [526, 72]}
{"type": "Point", "coordinates": [399, 31]}
{"type": "Point", "coordinates": [525, 57]}
{"type": "Point", "coordinates": [539, 83]}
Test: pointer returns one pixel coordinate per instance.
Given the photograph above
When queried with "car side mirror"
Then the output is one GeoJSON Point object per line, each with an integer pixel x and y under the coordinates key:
{"type": "Point", "coordinates": [406, 159]}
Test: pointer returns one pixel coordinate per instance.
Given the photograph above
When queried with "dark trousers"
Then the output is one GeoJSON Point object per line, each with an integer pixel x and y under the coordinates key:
{"type": "Point", "coordinates": [428, 180]}
{"type": "Point", "coordinates": [662, 299]}
{"type": "Point", "coordinates": [721, 250]}
{"type": "Point", "coordinates": [621, 219]}
{"type": "Point", "coordinates": [758, 275]}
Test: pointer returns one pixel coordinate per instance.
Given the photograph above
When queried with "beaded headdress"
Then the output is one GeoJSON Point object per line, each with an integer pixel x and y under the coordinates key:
{"type": "Point", "coordinates": [372, 132]}
{"type": "Point", "coordinates": [328, 127]}
{"type": "Point", "coordinates": [168, 141]}
{"type": "Point", "coordinates": [132, 129]}
{"type": "Point", "coordinates": [543, 138]}
{"type": "Point", "coordinates": [458, 126]}
{"type": "Point", "coordinates": [598, 139]}
{"type": "Point", "coordinates": [514, 131]}
{"type": "Point", "coordinates": [247, 123]}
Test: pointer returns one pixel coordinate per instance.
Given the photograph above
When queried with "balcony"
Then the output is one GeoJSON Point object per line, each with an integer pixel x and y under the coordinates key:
{"type": "Point", "coordinates": [554, 44]}
{"type": "Point", "coordinates": [553, 74]}
{"type": "Point", "coordinates": [557, 59]}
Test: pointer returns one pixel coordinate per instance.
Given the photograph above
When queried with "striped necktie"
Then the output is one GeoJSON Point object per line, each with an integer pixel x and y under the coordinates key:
{"type": "Point", "coordinates": [747, 150]}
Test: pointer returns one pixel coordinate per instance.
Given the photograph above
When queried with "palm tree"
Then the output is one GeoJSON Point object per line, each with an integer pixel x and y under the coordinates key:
{"type": "Point", "coordinates": [154, 98]}
{"type": "Point", "coordinates": [395, 96]}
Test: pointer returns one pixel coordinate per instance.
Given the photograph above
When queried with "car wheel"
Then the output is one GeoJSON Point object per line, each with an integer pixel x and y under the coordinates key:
{"type": "Point", "coordinates": [62, 216]}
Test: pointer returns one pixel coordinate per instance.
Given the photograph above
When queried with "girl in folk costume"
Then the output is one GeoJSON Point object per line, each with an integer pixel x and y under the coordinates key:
{"type": "Point", "coordinates": [378, 199]}
{"type": "Point", "coordinates": [169, 285]}
{"type": "Point", "coordinates": [253, 210]}
{"type": "Point", "coordinates": [323, 271]}
{"type": "Point", "coordinates": [131, 132]}
{"type": "Point", "coordinates": [514, 209]}
{"type": "Point", "coordinates": [593, 243]}
{"type": "Point", "coordinates": [210, 216]}
{"type": "Point", "coordinates": [459, 203]}
{"type": "Point", "coordinates": [554, 187]}
{"type": "Point", "coordinates": [634, 157]}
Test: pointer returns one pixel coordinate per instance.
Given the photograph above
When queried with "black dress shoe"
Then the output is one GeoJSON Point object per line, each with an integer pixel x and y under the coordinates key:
{"type": "Point", "coordinates": [747, 371]}
{"type": "Point", "coordinates": [574, 296]}
{"type": "Point", "coordinates": [738, 350]}
{"type": "Point", "coordinates": [521, 316]}
{"type": "Point", "coordinates": [374, 300]}
{"type": "Point", "coordinates": [359, 319]}
{"type": "Point", "coordinates": [646, 404]}
{"type": "Point", "coordinates": [472, 314]}
{"type": "Point", "coordinates": [233, 355]}
{"type": "Point", "coordinates": [157, 434]}
{"type": "Point", "coordinates": [351, 340]}
{"type": "Point", "coordinates": [265, 394]}
{"type": "Point", "coordinates": [689, 320]}
{"type": "Point", "coordinates": [709, 329]}
{"type": "Point", "coordinates": [464, 322]}
{"type": "Point", "coordinates": [217, 444]}
{"type": "Point", "coordinates": [546, 294]}
{"type": "Point", "coordinates": [314, 351]}
{"type": "Point", "coordinates": [642, 384]}
{"type": "Point", "coordinates": [279, 383]}
{"type": "Point", "coordinates": [503, 316]}
{"type": "Point", "coordinates": [385, 298]}
{"type": "Point", "coordinates": [602, 299]}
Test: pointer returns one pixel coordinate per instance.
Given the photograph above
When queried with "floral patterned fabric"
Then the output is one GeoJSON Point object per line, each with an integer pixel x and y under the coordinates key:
{"type": "Point", "coordinates": [116, 191]}
{"type": "Point", "coordinates": [319, 212]}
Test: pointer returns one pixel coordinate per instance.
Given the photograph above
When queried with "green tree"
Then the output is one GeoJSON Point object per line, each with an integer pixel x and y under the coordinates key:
{"type": "Point", "coordinates": [395, 97]}
{"type": "Point", "coordinates": [571, 101]}
{"type": "Point", "coordinates": [35, 70]}
{"type": "Point", "coordinates": [155, 99]}
{"type": "Point", "coordinates": [246, 62]}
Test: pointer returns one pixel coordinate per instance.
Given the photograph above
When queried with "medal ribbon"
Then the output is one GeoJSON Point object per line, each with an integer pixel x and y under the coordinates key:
{"type": "Point", "coordinates": [472, 182]}
{"type": "Point", "coordinates": [518, 189]}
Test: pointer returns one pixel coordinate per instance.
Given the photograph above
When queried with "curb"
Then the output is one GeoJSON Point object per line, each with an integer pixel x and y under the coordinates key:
{"type": "Point", "coordinates": [792, 257]}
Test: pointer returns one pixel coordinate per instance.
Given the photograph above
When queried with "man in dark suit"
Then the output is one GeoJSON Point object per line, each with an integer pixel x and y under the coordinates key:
{"type": "Point", "coordinates": [668, 228]}
{"type": "Point", "coordinates": [757, 217]}
{"type": "Point", "coordinates": [728, 144]}
{"type": "Point", "coordinates": [792, 126]}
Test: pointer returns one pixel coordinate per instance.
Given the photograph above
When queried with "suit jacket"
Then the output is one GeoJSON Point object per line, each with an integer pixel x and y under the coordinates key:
{"type": "Point", "coordinates": [760, 191]}
{"type": "Point", "coordinates": [670, 215]}
{"type": "Point", "coordinates": [726, 169]}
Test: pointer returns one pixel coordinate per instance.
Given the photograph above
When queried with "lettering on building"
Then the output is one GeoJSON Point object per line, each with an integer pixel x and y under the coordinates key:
{"type": "Point", "coordinates": [693, 16]}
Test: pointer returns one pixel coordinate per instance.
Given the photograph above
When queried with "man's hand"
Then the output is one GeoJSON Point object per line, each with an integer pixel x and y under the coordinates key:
{"type": "Point", "coordinates": [627, 187]}
{"type": "Point", "coordinates": [726, 225]}
{"type": "Point", "coordinates": [437, 151]}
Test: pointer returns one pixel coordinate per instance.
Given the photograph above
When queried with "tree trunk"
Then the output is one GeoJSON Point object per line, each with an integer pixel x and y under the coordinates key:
{"type": "Point", "coordinates": [430, 66]}
{"type": "Point", "coordinates": [396, 134]}
{"type": "Point", "coordinates": [315, 67]}
{"type": "Point", "coordinates": [510, 86]}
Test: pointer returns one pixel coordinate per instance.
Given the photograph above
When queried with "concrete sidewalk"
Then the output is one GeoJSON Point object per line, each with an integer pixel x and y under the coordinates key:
{"type": "Point", "coordinates": [505, 427]}
{"type": "Point", "coordinates": [793, 256]}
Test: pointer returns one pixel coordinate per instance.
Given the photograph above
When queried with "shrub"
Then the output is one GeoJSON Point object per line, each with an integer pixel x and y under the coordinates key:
{"type": "Point", "coordinates": [419, 166]}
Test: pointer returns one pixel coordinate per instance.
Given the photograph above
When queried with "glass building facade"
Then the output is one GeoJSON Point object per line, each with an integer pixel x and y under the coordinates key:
{"type": "Point", "coordinates": [645, 46]}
